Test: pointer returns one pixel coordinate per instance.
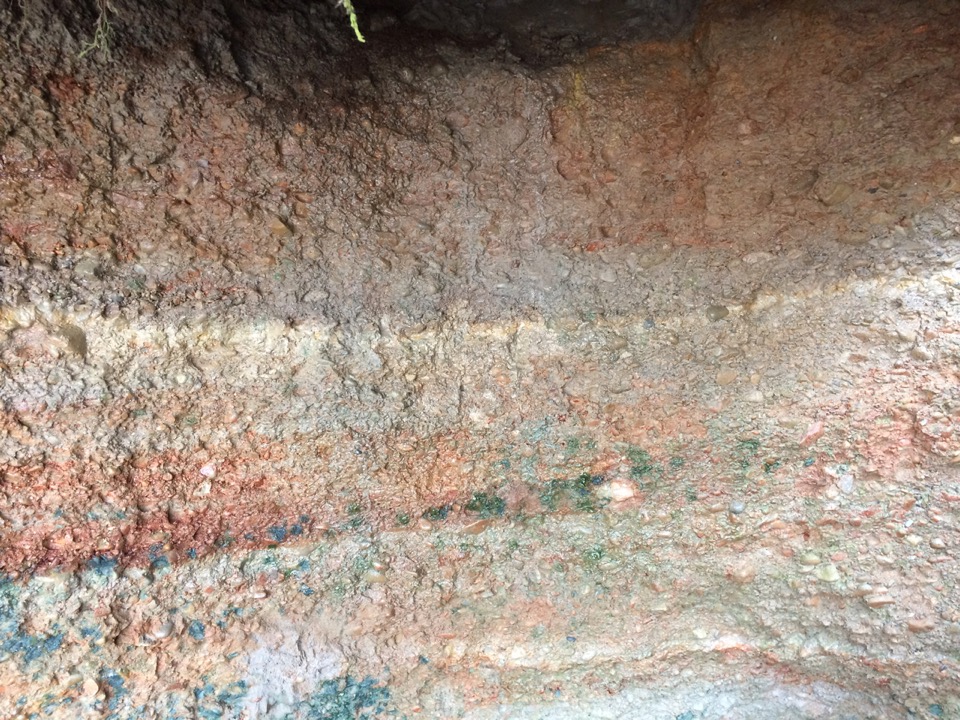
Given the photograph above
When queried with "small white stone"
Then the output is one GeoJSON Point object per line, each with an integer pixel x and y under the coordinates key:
{"type": "Point", "coordinates": [617, 490]}
{"type": "Point", "coordinates": [743, 573]}
{"type": "Point", "coordinates": [164, 630]}
{"type": "Point", "coordinates": [827, 573]}
{"type": "Point", "coordinates": [846, 483]}
{"type": "Point", "coordinates": [90, 688]}
{"type": "Point", "coordinates": [374, 577]}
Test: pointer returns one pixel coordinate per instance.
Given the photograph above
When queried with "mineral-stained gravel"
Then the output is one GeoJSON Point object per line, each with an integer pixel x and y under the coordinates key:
{"type": "Point", "coordinates": [416, 380]}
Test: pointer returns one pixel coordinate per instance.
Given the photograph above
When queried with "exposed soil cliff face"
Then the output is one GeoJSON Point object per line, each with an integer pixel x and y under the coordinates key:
{"type": "Point", "coordinates": [437, 378]}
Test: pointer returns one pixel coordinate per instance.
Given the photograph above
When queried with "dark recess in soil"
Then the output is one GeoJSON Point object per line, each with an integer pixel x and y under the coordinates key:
{"type": "Point", "coordinates": [538, 31]}
{"type": "Point", "coordinates": [535, 32]}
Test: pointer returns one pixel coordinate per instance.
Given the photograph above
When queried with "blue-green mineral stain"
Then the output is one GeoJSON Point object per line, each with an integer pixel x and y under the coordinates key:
{"type": "Point", "coordinates": [220, 705]}
{"type": "Point", "coordinates": [102, 564]}
{"type": "Point", "coordinates": [346, 699]}
{"type": "Point", "coordinates": [197, 630]}
{"type": "Point", "coordinates": [13, 639]}
{"type": "Point", "coordinates": [277, 533]}
{"type": "Point", "coordinates": [115, 685]}
{"type": "Point", "coordinates": [31, 647]}
{"type": "Point", "coordinates": [158, 561]}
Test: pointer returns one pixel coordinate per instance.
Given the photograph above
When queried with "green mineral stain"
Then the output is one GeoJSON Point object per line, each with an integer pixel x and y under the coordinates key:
{"type": "Point", "coordinates": [361, 564]}
{"type": "Point", "coordinates": [583, 486]}
{"type": "Point", "coordinates": [437, 513]}
{"type": "Point", "coordinates": [577, 493]}
{"type": "Point", "coordinates": [644, 466]}
{"type": "Point", "coordinates": [346, 698]}
{"type": "Point", "coordinates": [551, 494]}
{"type": "Point", "coordinates": [486, 505]}
{"type": "Point", "coordinates": [750, 446]}
{"type": "Point", "coordinates": [593, 556]}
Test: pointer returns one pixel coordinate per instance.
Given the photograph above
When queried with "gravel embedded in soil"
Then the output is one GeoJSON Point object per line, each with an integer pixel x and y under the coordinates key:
{"type": "Point", "coordinates": [417, 381]}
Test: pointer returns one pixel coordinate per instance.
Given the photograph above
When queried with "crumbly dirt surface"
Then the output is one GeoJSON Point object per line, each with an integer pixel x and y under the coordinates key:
{"type": "Point", "coordinates": [412, 380]}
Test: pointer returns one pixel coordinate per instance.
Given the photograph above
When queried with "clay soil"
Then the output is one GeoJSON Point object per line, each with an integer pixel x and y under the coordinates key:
{"type": "Point", "coordinates": [425, 379]}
